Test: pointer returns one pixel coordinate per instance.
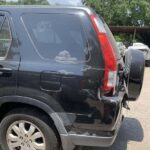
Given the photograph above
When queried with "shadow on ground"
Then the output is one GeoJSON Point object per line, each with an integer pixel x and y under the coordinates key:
{"type": "Point", "coordinates": [131, 130]}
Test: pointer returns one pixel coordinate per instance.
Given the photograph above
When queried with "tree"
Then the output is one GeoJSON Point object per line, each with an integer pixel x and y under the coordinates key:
{"type": "Point", "coordinates": [123, 12]}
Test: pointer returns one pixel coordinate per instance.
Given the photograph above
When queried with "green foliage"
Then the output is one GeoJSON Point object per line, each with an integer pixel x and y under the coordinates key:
{"type": "Point", "coordinates": [123, 12]}
{"type": "Point", "coordinates": [31, 2]}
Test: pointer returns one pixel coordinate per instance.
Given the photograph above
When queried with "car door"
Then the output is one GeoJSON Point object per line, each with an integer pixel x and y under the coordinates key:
{"type": "Point", "coordinates": [9, 56]}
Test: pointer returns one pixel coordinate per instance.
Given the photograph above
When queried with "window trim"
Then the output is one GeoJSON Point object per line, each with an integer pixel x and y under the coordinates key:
{"type": "Point", "coordinates": [6, 18]}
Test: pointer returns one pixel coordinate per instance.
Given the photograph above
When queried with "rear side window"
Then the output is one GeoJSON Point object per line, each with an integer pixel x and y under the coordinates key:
{"type": "Point", "coordinates": [1, 20]}
{"type": "Point", "coordinates": [5, 36]}
{"type": "Point", "coordinates": [57, 36]}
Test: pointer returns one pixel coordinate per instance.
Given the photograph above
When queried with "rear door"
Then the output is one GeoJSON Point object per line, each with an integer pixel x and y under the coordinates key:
{"type": "Point", "coordinates": [9, 56]}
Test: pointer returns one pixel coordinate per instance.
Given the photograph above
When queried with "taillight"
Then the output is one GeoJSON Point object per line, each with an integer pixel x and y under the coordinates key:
{"type": "Point", "coordinates": [109, 55]}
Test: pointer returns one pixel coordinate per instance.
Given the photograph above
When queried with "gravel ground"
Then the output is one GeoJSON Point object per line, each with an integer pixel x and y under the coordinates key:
{"type": "Point", "coordinates": [135, 131]}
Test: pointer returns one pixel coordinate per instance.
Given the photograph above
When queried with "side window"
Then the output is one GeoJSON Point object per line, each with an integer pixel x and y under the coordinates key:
{"type": "Point", "coordinates": [1, 21]}
{"type": "Point", "coordinates": [5, 36]}
{"type": "Point", "coordinates": [59, 37]}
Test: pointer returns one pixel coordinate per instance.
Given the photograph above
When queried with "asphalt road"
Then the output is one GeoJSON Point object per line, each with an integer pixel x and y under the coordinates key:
{"type": "Point", "coordinates": [135, 130]}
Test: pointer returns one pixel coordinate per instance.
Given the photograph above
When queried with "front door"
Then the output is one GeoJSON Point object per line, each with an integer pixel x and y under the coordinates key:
{"type": "Point", "coordinates": [9, 56]}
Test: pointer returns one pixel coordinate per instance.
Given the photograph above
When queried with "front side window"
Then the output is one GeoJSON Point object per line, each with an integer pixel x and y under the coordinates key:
{"type": "Point", "coordinates": [5, 36]}
{"type": "Point", "coordinates": [57, 36]}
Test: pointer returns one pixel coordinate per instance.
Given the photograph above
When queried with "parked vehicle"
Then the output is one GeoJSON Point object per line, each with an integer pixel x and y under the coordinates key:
{"type": "Point", "coordinates": [122, 48]}
{"type": "Point", "coordinates": [144, 49]}
{"type": "Point", "coordinates": [62, 80]}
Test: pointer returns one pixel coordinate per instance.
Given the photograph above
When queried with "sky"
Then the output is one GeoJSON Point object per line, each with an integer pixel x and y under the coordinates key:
{"type": "Point", "coordinates": [64, 2]}
{"type": "Point", "coordinates": [71, 2]}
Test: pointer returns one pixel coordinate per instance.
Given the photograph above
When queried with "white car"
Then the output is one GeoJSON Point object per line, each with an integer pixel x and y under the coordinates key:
{"type": "Point", "coordinates": [145, 49]}
{"type": "Point", "coordinates": [122, 48]}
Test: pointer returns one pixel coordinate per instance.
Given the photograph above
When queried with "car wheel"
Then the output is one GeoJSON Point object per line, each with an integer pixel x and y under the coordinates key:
{"type": "Point", "coordinates": [147, 63]}
{"type": "Point", "coordinates": [25, 130]}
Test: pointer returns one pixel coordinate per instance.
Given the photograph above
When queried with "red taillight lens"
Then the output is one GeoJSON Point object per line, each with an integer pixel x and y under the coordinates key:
{"type": "Point", "coordinates": [109, 55]}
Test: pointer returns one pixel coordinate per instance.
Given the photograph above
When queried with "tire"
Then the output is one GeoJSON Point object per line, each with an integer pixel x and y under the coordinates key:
{"type": "Point", "coordinates": [38, 123]}
{"type": "Point", "coordinates": [134, 64]}
{"type": "Point", "coordinates": [147, 63]}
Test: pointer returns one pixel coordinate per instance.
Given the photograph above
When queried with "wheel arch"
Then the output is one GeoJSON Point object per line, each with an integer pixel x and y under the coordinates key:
{"type": "Point", "coordinates": [31, 102]}
{"type": "Point", "coordinates": [27, 101]}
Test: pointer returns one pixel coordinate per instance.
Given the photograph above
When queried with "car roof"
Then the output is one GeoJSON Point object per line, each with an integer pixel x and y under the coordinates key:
{"type": "Point", "coordinates": [26, 8]}
{"type": "Point", "coordinates": [139, 44]}
{"type": "Point", "coordinates": [139, 47]}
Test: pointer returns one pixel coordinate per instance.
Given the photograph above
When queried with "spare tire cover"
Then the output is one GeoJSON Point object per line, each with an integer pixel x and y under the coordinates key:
{"type": "Point", "coordinates": [134, 72]}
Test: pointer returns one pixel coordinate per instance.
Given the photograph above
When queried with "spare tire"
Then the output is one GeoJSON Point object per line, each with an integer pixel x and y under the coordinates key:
{"type": "Point", "coordinates": [134, 72]}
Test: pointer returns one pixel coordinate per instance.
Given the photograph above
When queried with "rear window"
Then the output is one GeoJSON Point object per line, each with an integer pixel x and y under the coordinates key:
{"type": "Point", "coordinates": [57, 36]}
{"type": "Point", "coordinates": [103, 27]}
{"type": "Point", "coordinates": [112, 40]}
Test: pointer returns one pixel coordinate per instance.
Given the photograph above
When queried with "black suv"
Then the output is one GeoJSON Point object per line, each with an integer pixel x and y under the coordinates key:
{"type": "Point", "coordinates": [62, 81]}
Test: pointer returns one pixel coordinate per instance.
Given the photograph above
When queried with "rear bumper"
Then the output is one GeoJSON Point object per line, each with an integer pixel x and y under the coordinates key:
{"type": "Point", "coordinates": [72, 140]}
{"type": "Point", "coordinates": [98, 141]}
